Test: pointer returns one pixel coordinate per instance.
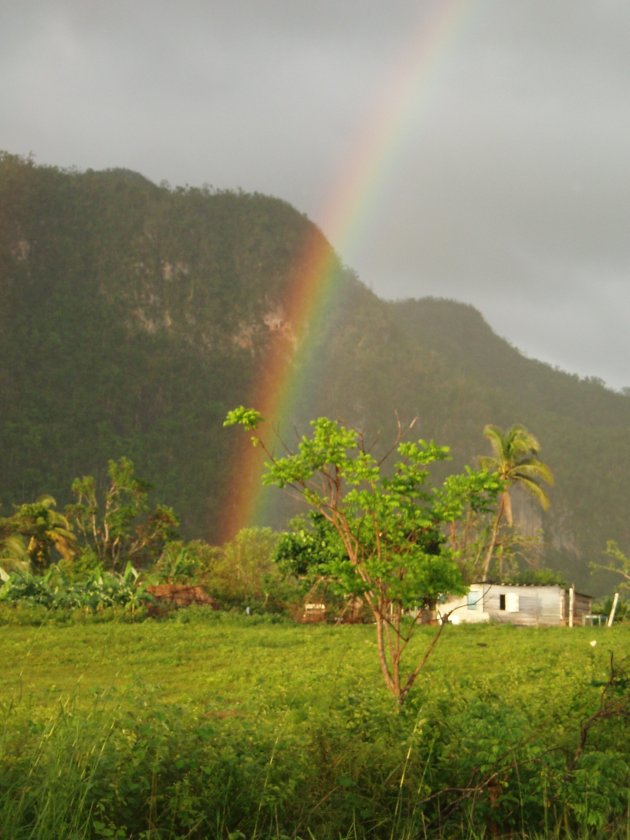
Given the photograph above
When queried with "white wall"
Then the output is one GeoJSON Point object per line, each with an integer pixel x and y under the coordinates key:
{"type": "Point", "coordinates": [524, 605]}
{"type": "Point", "coordinates": [465, 610]}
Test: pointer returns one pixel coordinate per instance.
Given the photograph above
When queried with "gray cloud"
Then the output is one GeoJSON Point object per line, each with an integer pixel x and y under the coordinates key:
{"type": "Point", "coordinates": [510, 183]}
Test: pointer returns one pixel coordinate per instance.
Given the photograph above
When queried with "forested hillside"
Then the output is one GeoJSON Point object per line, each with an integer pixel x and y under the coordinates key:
{"type": "Point", "coordinates": [132, 317]}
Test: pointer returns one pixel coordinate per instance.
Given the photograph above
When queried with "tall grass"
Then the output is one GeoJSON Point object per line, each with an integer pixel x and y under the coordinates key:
{"type": "Point", "coordinates": [226, 729]}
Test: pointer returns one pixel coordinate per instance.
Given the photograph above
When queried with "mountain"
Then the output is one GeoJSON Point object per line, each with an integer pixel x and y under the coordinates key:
{"type": "Point", "coordinates": [132, 317]}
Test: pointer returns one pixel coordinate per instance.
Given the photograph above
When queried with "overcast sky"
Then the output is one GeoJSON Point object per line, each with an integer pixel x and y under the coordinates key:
{"type": "Point", "coordinates": [500, 168]}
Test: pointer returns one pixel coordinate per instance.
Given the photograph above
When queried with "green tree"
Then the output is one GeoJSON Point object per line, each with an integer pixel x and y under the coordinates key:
{"type": "Point", "coordinates": [120, 527]}
{"type": "Point", "coordinates": [47, 533]}
{"type": "Point", "coordinates": [618, 562]}
{"type": "Point", "coordinates": [515, 461]}
{"type": "Point", "coordinates": [307, 545]}
{"type": "Point", "coordinates": [185, 562]}
{"type": "Point", "coordinates": [13, 554]}
{"type": "Point", "coordinates": [244, 572]}
{"type": "Point", "coordinates": [396, 557]}
{"type": "Point", "coordinates": [303, 555]}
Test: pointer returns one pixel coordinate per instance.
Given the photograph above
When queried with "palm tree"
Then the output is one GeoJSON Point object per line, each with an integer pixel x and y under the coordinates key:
{"type": "Point", "coordinates": [515, 460]}
{"type": "Point", "coordinates": [44, 529]}
{"type": "Point", "coordinates": [13, 554]}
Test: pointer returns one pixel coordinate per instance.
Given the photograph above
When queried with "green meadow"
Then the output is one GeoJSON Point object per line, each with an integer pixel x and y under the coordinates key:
{"type": "Point", "coordinates": [215, 726]}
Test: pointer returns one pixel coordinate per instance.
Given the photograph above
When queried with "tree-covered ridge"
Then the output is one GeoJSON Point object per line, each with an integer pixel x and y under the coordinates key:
{"type": "Point", "coordinates": [133, 316]}
{"type": "Point", "coordinates": [136, 315]}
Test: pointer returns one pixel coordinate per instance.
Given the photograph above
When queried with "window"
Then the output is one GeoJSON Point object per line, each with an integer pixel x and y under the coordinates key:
{"type": "Point", "coordinates": [502, 601]}
{"type": "Point", "coordinates": [472, 599]}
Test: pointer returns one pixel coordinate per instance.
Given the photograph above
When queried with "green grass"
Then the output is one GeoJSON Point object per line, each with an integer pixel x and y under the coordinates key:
{"type": "Point", "coordinates": [229, 727]}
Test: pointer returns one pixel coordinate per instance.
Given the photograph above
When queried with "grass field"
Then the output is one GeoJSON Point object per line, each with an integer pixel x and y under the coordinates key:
{"type": "Point", "coordinates": [235, 728]}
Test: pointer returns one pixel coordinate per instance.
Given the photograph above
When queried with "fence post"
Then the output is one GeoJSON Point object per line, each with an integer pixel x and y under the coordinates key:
{"type": "Point", "coordinates": [613, 610]}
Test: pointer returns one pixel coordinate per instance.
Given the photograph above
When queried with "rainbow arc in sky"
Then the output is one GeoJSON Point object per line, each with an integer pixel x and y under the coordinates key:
{"type": "Point", "coordinates": [312, 290]}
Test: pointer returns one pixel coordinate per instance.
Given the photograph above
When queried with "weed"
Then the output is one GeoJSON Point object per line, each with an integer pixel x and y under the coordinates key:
{"type": "Point", "coordinates": [224, 727]}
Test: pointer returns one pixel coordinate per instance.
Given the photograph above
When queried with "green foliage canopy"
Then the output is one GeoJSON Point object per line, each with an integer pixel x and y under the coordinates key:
{"type": "Point", "coordinates": [132, 316]}
{"type": "Point", "coordinates": [618, 562]}
{"type": "Point", "coordinates": [120, 527]}
{"type": "Point", "coordinates": [390, 524]}
{"type": "Point", "coordinates": [515, 461]}
{"type": "Point", "coordinates": [37, 534]}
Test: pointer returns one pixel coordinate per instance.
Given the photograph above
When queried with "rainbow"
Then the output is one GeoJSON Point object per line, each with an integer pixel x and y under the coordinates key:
{"type": "Point", "coordinates": [312, 292]}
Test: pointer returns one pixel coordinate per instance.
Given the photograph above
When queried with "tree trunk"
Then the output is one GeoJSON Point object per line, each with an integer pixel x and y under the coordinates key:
{"type": "Point", "coordinates": [493, 539]}
{"type": "Point", "coordinates": [382, 655]}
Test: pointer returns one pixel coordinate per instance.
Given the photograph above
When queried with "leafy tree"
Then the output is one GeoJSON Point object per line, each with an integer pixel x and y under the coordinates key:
{"type": "Point", "coordinates": [396, 557]}
{"type": "Point", "coordinates": [618, 562]}
{"type": "Point", "coordinates": [46, 532]}
{"type": "Point", "coordinates": [303, 555]}
{"type": "Point", "coordinates": [244, 572]}
{"type": "Point", "coordinates": [515, 461]}
{"type": "Point", "coordinates": [13, 554]}
{"type": "Point", "coordinates": [538, 577]}
{"type": "Point", "coordinates": [307, 545]}
{"type": "Point", "coordinates": [120, 527]}
{"type": "Point", "coordinates": [185, 562]}
{"type": "Point", "coordinates": [469, 538]}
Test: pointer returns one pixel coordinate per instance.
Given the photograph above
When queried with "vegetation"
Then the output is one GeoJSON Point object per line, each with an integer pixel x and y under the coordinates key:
{"type": "Point", "coordinates": [120, 528]}
{"type": "Point", "coordinates": [111, 533]}
{"type": "Point", "coordinates": [390, 526]}
{"type": "Point", "coordinates": [37, 534]}
{"type": "Point", "coordinates": [618, 563]}
{"type": "Point", "coordinates": [93, 591]}
{"type": "Point", "coordinates": [217, 724]}
{"type": "Point", "coordinates": [515, 460]}
{"type": "Point", "coordinates": [105, 552]}
{"type": "Point", "coordinates": [133, 316]}
{"type": "Point", "coordinates": [209, 726]}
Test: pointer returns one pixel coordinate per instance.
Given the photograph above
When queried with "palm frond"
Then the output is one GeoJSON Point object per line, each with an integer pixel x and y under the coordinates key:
{"type": "Point", "coordinates": [534, 470]}
{"type": "Point", "coordinates": [534, 489]}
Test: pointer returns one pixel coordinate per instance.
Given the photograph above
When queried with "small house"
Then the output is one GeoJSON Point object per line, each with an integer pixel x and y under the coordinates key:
{"type": "Point", "coordinates": [526, 605]}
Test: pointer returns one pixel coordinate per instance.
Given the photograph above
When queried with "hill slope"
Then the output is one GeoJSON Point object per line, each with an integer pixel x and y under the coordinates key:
{"type": "Point", "coordinates": [132, 317]}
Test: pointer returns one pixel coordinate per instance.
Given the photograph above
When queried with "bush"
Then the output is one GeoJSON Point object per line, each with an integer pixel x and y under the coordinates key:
{"type": "Point", "coordinates": [92, 591]}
